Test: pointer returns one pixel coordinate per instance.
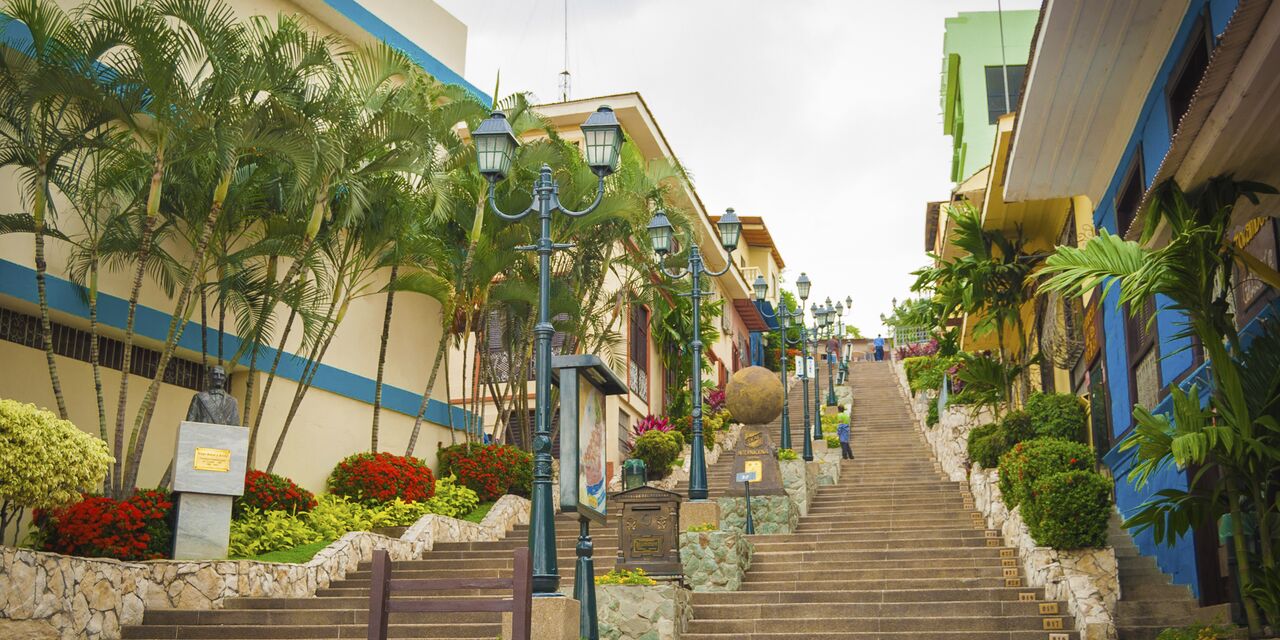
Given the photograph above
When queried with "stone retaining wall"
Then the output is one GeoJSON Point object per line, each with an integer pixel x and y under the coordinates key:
{"type": "Point", "coordinates": [631, 612]}
{"type": "Point", "coordinates": [1086, 579]}
{"type": "Point", "coordinates": [91, 598]}
{"type": "Point", "coordinates": [770, 514]}
{"type": "Point", "coordinates": [828, 461]}
{"type": "Point", "coordinates": [800, 479]}
{"type": "Point", "coordinates": [715, 560]}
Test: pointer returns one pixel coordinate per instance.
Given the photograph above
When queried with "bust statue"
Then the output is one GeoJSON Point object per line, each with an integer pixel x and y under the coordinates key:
{"type": "Point", "coordinates": [214, 405]}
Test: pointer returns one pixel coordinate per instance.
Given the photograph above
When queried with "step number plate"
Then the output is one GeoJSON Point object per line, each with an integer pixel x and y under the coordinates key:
{"type": "Point", "coordinates": [1013, 582]}
{"type": "Point", "coordinates": [1052, 623]}
{"type": "Point", "coordinates": [1010, 572]}
{"type": "Point", "coordinates": [1048, 608]}
{"type": "Point", "coordinates": [1006, 553]}
{"type": "Point", "coordinates": [1008, 562]}
{"type": "Point", "coordinates": [1027, 597]}
{"type": "Point", "coordinates": [1059, 636]}
{"type": "Point", "coordinates": [993, 542]}
{"type": "Point", "coordinates": [992, 534]}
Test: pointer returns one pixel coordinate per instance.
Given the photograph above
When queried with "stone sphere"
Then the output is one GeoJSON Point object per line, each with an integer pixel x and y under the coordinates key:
{"type": "Point", "coordinates": [754, 396]}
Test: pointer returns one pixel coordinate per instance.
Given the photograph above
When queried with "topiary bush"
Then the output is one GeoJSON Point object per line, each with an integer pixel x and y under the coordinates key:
{"type": "Point", "coordinates": [491, 470]}
{"type": "Point", "coordinates": [986, 444]}
{"type": "Point", "coordinates": [1027, 462]}
{"type": "Point", "coordinates": [658, 450]}
{"type": "Point", "coordinates": [47, 462]}
{"type": "Point", "coordinates": [375, 478]}
{"type": "Point", "coordinates": [1069, 510]}
{"type": "Point", "coordinates": [1058, 415]}
{"type": "Point", "coordinates": [270, 492]}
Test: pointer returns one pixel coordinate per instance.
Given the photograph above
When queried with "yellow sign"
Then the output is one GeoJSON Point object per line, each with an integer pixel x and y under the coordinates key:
{"type": "Point", "coordinates": [212, 459]}
{"type": "Point", "coordinates": [755, 468]}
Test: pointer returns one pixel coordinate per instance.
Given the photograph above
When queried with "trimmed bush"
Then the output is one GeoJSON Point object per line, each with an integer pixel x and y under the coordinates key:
{"type": "Point", "coordinates": [47, 462]}
{"type": "Point", "coordinates": [1069, 510]}
{"type": "Point", "coordinates": [986, 444]}
{"type": "Point", "coordinates": [658, 450]}
{"type": "Point", "coordinates": [1018, 426]}
{"type": "Point", "coordinates": [1027, 462]}
{"type": "Point", "coordinates": [1058, 415]}
{"type": "Point", "coordinates": [270, 492]}
{"type": "Point", "coordinates": [491, 470]}
{"type": "Point", "coordinates": [102, 527]}
{"type": "Point", "coordinates": [375, 478]}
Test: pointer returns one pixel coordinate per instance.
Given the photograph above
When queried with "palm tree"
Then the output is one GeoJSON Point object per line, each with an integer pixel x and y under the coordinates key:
{"type": "Point", "coordinates": [1240, 437]}
{"type": "Point", "coordinates": [48, 114]}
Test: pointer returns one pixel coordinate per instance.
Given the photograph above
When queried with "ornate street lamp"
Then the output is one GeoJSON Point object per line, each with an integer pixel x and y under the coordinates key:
{"type": "Point", "coordinates": [803, 286]}
{"type": "Point", "coordinates": [495, 148]}
{"type": "Point", "coordinates": [660, 234]}
{"type": "Point", "coordinates": [832, 313]}
{"type": "Point", "coordinates": [784, 316]}
{"type": "Point", "coordinates": [819, 323]}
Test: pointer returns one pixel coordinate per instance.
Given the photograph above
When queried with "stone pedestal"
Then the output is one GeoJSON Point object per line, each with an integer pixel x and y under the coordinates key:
{"type": "Point", "coordinates": [630, 612]}
{"type": "Point", "coordinates": [554, 618]}
{"type": "Point", "coordinates": [209, 463]}
{"type": "Point", "coordinates": [770, 513]}
{"type": "Point", "coordinates": [715, 560]}
{"type": "Point", "coordinates": [204, 526]}
{"type": "Point", "coordinates": [800, 479]}
{"type": "Point", "coordinates": [697, 514]}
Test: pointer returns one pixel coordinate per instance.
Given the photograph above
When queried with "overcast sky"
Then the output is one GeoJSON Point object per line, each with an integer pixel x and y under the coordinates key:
{"type": "Point", "coordinates": [820, 115]}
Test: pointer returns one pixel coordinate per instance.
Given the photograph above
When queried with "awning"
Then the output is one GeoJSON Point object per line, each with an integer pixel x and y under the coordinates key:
{"type": "Point", "coordinates": [750, 315]}
{"type": "Point", "coordinates": [770, 316]}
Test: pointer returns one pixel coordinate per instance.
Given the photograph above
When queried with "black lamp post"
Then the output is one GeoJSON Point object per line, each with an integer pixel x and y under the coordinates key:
{"type": "Point", "coordinates": [661, 234]}
{"type": "Point", "coordinates": [495, 148]}
{"type": "Point", "coordinates": [784, 316]}
{"type": "Point", "coordinates": [832, 313]}
{"type": "Point", "coordinates": [819, 321]}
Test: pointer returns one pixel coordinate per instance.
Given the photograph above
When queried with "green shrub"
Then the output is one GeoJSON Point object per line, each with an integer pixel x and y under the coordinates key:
{"type": "Point", "coordinates": [658, 449]}
{"type": "Point", "coordinates": [335, 516]}
{"type": "Point", "coordinates": [1058, 415]}
{"type": "Point", "coordinates": [925, 373]}
{"type": "Point", "coordinates": [1027, 462]}
{"type": "Point", "coordinates": [1069, 510]}
{"type": "Point", "coordinates": [706, 526]}
{"type": "Point", "coordinates": [1202, 632]}
{"type": "Point", "coordinates": [788, 454]}
{"type": "Point", "coordinates": [256, 532]}
{"type": "Point", "coordinates": [833, 442]}
{"type": "Point", "coordinates": [931, 419]}
{"type": "Point", "coordinates": [986, 444]}
{"type": "Point", "coordinates": [1018, 426]}
{"type": "Point", "coordinates": [625, 576]}
{"type": "Point", "coordinates": [452, 499]}
{"type": "Point", "coordinates": [45, 462]}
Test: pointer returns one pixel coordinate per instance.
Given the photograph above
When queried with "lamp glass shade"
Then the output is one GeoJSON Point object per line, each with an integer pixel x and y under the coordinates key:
{"type": "Point", "coordinates": [802, 286]}
{"type": "Point", "coordinates": [495, 146]}
{"type": "Point", "coordinates": [848, 302]}
{"type": "Point", "coordinates": [660, 233]}
{"type": "Point", "coordinates": [761, 287]}
{"type": "Point", "coordinates": [730, 230]}
{"type": "Point", "coordinates": [603, 137]}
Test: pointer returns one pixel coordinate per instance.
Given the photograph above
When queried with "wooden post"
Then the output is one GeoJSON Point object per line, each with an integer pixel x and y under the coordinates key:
{"type": "Point", "coordinates": [521, 597]}
{"type": "Point", "coordinates": [379, 594]}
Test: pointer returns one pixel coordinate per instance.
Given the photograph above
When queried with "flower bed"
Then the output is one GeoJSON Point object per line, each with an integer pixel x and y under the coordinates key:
{"type": "Point", "coordinates": [382, 477]}
{"type": "Point", "coordinates": [491, 471]}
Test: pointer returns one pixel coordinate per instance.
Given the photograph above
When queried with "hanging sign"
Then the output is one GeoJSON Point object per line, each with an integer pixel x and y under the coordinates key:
{"type": "Point", "coordinates": [584, 382]}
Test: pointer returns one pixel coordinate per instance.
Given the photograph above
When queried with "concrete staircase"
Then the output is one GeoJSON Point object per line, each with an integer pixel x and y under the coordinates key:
{"type": "Point", "coordinates": [341, 610]}
{"type": "Point", "coordinates": [890, 552]}
{"type": "Point", "coordinates": [1149, 601]}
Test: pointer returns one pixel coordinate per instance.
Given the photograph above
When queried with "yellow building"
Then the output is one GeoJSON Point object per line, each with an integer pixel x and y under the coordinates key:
{"type": "Point", "coordinates": [335, 418]}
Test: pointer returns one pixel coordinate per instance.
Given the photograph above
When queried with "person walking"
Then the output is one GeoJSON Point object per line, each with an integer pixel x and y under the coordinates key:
{"type": "Point", "coordinates": [879, 343]}
{"type": "Point", "coordinates": [844, 433]}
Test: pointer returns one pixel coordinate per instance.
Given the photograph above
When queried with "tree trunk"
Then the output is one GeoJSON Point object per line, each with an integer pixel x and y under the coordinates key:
{"type": "Point", "coordinates": [303, 387]}
{"type": "Point", "coordinates": [271, 378]}
{"type": "Point", "coordinates": [204, 323]}
{"type": "Point", "coordinates": [177, 325]}
{"type": "Point", "coordinates": [382, 358]}
{"type": "Point", "coordinates": [39, 207]}
{"type": "Point", "coordinates": [95, 357]}
{"type": "Point", "coordinates": [1242, 560]}
{"type": "Point", "coordinates": [448, 395]}
{"type": "Point", "coordinates": [431, 386]}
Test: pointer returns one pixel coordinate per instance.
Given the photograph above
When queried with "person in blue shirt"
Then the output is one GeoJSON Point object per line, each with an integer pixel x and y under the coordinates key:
{"type": "Point", "coordinates": [879, 343]}
{"type": "Point", "coordinates": [844, 433]}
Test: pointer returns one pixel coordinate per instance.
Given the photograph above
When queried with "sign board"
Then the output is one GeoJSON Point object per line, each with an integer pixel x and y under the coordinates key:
{"type": "Point", "coordinates": [755, 454]}
{"type": "Point", "coordinates": [649, 531]}
{"type": "Point", "coordinates": [210, 458]}
{"type": "Point", "coordinates": [584, 382]}
{"type": "Point", "coordinates": [746, 476]}
{"type": "Point", "coordinates": [799, 367]}
{"type": "Point", "coordinates": [811, 368]}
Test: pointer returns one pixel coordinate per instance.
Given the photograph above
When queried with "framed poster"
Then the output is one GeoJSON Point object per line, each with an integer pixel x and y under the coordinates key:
{"type": "Point", "coordinates": [592, 453]}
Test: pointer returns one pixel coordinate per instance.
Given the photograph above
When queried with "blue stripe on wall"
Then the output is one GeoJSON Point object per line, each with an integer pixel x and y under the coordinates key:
{"type": "Point", "coordinates": [383, 31]}
{"type": "Point", "coordinates": [19, 282]}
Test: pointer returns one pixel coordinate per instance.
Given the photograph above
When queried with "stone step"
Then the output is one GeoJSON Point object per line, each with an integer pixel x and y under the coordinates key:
{"type": "Point", "coordinates": [445, 631]}
{"type": "Point", "coordinates": [889, 623]}
{"type": "Point", "coordinates": [923, 595]}
{"type": "Point", "coordinates": [880, 635]}
{"type": "Point", "coordinates": [919, 609]}
{"type": "Point", "coordinates": [771, 574]}
{"type": "Point", "coordinates": [872, 584]}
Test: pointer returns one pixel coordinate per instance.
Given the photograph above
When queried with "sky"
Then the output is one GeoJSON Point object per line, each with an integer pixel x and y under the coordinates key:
{"type": "Point", "coordinates": [822, 116]}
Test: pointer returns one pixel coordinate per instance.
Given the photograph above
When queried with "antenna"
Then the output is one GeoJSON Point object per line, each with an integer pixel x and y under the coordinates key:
{"type": "Point", "coordinates": [566, 78]}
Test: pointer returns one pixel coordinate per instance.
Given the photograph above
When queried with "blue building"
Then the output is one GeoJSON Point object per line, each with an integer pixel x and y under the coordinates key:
{"type": "Point", "coordinates": [1120, 96]}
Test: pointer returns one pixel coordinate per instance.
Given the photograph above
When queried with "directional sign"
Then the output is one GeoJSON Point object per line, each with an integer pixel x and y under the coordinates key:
{"type": "Point", "coordinates": [746, 477]}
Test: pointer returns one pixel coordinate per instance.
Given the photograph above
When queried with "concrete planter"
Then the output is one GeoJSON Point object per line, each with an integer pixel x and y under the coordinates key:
{"type": "Point", "coordinates": [715, 560]}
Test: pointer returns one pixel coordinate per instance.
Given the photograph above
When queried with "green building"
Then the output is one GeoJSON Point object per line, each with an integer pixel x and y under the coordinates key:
{"type": "Point", "coordinates": [973, 85]}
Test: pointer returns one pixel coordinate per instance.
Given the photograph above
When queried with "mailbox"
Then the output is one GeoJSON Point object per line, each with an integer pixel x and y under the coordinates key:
{"type": "Point", "coordinates": [649, 531]}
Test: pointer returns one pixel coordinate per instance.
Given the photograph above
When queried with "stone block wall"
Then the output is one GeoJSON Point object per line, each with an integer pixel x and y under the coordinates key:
{"type": "Point", "coordinates": [632, 612]}
{"type": "Point", "coordinates": [91, 598]}
{"type": "Point", "coordinates": [800, 479]}
{"type": "Point", "coordinates": [1086, 579]}
{"type": "Point", "coordinates": [715, 560]}
{"type": "Point", "coordinates": [770, 514]}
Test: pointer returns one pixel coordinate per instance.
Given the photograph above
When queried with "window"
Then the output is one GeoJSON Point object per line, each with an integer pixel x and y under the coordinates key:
{"type": "Point", "coordinates": [1184, 82]}
{"type": "Point", "coordinates": [1144, 357]}
{"type": "Point", "coordinates": [1129, 197]}
{"type": "Point", "coordinates": [638, 362]}
{"type": "Point", "coordinates": [996, 104]}
{"type": "Point", "coordinates": [624, 432]}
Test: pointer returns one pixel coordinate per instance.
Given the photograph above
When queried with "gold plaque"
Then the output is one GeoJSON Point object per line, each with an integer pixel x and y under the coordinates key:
{"type": "Point", "coordinates": [1008, 562]}
{"type": "Point", "coordinates": [1011, 572]}
{"type": "Point", "coordinates": [1052, 623]}
{"type": "Point", "coordinates": [1048, 608]}
{"type": "Point", "coordinates": [1027, 597]}
{"type": "Point", "coordinates": [755, 468]}
{"type": "Point", "coordinates": [1013, 582]}
{"type": "Point", "coordinates": [207, 459]}
{"type": "Point", "coordinates": [1006, 553]}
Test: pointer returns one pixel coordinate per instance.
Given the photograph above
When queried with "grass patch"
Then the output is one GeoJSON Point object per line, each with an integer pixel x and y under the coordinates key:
{"type": "Point", "coordinates": [479, 512]}
{"type": "Point", "coordinates": [297, 555]}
